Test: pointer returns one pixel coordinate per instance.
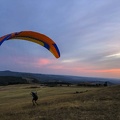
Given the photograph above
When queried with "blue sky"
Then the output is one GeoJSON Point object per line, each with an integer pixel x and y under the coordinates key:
{"type": "Point", "coordinates": [87, 33]}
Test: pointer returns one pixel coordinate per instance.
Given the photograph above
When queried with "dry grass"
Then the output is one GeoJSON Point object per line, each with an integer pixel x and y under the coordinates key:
{"type": "Point", "coordinates": [60, 103]}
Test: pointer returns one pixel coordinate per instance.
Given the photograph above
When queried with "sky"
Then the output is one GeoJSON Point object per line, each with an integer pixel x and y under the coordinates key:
{"type": "Point", "coordinates": [87, 33]}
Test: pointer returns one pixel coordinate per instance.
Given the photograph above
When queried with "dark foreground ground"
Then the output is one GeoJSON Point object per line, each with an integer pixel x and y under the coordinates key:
{"type": "Point", "coordinates": [60, 103]}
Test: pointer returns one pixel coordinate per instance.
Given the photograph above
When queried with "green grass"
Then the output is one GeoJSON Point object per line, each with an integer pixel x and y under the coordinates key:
{"type": "Point", "coordinates": [60, 103]}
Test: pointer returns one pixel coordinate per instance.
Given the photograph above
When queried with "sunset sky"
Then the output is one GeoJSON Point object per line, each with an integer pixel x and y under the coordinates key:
{"type": "Point", "coordinates": [87, 33]}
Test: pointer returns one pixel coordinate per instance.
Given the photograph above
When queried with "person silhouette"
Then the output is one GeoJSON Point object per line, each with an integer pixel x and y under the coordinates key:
{"type": "Point", "coordinates": [35, 98]}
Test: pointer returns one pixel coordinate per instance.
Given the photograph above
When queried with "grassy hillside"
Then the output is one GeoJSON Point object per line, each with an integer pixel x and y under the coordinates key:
{"type": "Point", "coordinates": [60, 103]}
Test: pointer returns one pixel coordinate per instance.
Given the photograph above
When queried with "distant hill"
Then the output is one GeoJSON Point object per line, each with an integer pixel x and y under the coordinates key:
{"type": "Point", "coordinates": [45, 78]}
{"type": "Point", "coordinates": [10, 80]}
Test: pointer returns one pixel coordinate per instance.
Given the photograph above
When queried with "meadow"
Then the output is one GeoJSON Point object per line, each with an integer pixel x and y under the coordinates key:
{"type": "Point", "coordinates": [60, 103]}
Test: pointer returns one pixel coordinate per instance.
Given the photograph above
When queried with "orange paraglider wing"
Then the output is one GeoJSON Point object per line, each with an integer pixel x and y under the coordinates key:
{"type": "Point", "coordinates": [36, 37]}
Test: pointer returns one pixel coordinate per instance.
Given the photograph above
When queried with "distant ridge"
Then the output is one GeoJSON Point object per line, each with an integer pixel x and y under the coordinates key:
{"type": "Point", "coordinates": [60, 78]}
{"type": "Point", "coordinates": [9, 73]}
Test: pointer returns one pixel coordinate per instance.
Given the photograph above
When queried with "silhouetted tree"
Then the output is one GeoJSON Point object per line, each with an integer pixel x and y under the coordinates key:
{"type": "Point", "coordinates": [105, 84]}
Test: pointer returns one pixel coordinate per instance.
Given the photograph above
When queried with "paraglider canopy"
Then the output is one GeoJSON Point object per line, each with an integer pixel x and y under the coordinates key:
{"type": "Point", "coordinates": [36, 37]}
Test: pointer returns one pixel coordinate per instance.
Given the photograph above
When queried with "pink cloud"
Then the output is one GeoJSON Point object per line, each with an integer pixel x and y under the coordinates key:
{"type": "Point", "coordinates": [86, 71]}
{"type": "Point", "coordinates": [114, 73]}
{"type": "Point", "coordinates": [54, 66]}
{"type": "Point", "coordinates": [31, 61]}
{"type": "Point", "coordinates": [57, 67]}
{"type": "Point", "coordinates": [44, 61]}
